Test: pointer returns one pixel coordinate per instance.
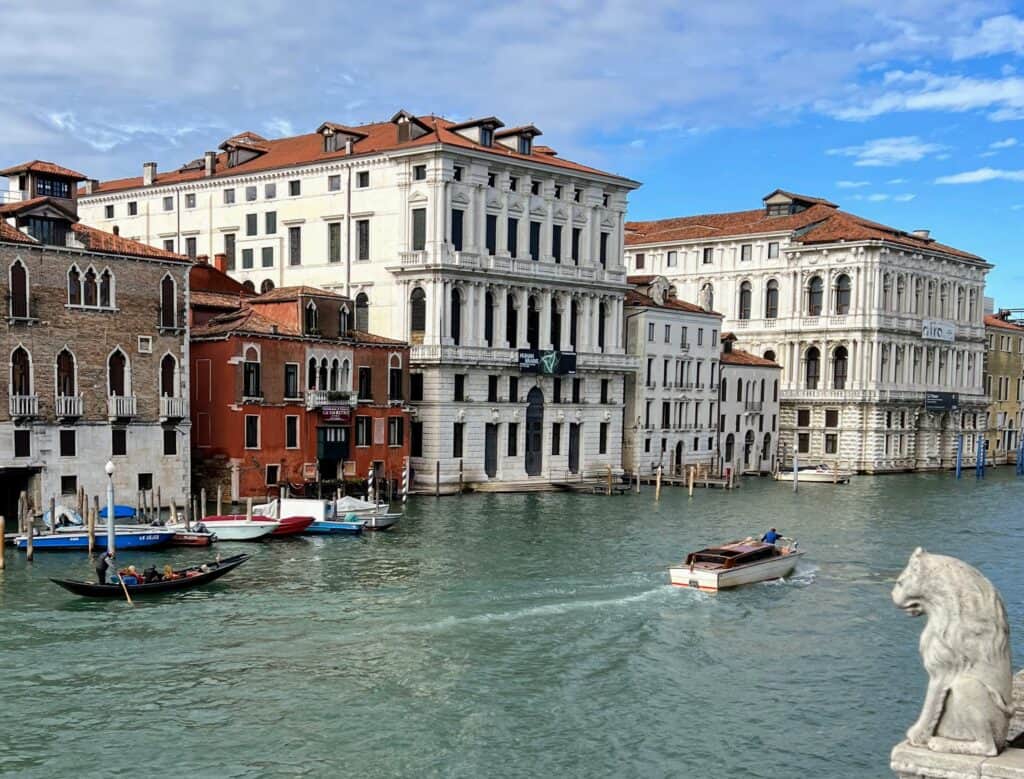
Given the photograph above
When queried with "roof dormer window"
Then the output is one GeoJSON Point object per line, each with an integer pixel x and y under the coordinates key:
{"type": "Point", "coordinates": [486, 136]}
{"type": "Point", "coordinates": [48, 187]}
{"type": "Point", "coordinates": [525, 145]}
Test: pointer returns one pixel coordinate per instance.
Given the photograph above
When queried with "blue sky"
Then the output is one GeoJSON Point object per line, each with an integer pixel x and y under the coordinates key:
{"type": "Point", "coordinates": [911, 113]}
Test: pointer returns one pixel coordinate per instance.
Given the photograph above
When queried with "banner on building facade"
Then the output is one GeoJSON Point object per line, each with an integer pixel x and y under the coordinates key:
{"type": "Point", "coordinates": [935, 330]}
{"type": "Point", "coordinates": [550, 363]}
{"type": "Point", "coordinates": [336, 413]}
{"type": "Point", "coordinates": [941, 401]}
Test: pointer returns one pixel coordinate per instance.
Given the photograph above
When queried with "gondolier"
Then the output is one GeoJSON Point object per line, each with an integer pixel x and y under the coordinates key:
{"type": "Point", "coordinates": [102, 565]}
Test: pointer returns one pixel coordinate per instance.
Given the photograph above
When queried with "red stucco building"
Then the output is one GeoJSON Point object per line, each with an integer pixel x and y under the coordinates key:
{"type": "Point", "coordinates": [284, 391]}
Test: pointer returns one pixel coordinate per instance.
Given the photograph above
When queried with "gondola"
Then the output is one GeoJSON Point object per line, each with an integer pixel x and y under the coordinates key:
{"type": "Point", "coordinates": [186, 582]}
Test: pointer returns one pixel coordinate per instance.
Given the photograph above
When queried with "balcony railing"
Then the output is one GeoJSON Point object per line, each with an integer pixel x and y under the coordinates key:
{"type": "Point", "coordinates": [69, 406]}
{"type": "Point", "coordinates": [24, 405]}
{"type": "Point", "coordinates": [121, 406]}
{"type": "Point", "coordinates": [13, 196]}
{"type": "Point", "coordinates": [318, 398]}
{"type": "Point", "coordinates": [173, 408]}
{"type": "Point", "coordinates": [753, 405]}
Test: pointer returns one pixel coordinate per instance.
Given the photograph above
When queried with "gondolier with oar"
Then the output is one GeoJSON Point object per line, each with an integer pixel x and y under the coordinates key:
{"type": "Point", "coordinates": [102, 565]}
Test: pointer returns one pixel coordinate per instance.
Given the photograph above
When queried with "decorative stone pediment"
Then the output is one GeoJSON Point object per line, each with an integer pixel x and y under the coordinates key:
{"type": "Point", "coordinates": [460, 199]}
{"type": "Point", "coordinates": [515, 208]}
{"type": "Point", "coordinates": [538, 211]}
{"type": "Point", "coordinates": [493, 201]}
{"type": "Point", "coordinates": [417, 197]}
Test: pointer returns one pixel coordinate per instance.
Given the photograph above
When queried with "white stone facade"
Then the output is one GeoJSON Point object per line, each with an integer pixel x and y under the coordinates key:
{"type": "Point", "coordinates": [469, 231]}
{"type": "Point", "coordinates": [810, 306]}
{"type": "Point", "coordinates": [748, 414]}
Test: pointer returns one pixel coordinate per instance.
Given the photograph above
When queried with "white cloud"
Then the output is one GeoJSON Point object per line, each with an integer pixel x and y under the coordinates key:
{"type": "Point", "coordinates": [882, 197]}
{"type": "Point", "coordinates": [1006, 143]}
{"type": "Point", "coordinates": [998, 35]}
{"type": "Point", "coordinates": [637, 143]}
{"type": "Point", "coordinates": [894, 182]}
{"type": "Point", "coordinates": [852, 184]}
{"type": "Point", "coordinates": [904, 198]}
{"type": "Point", "coordinates": [279, 127]}
{"type": "Point", "coordinates": [883, 152]}
{"type": "Point", "coordinates": [981, 175]}
{"type": "Point", "coordinates": [1017, 207]}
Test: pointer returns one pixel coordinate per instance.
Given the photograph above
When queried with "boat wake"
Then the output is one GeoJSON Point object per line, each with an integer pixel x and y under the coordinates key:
{"type": "Point", "coordinates": [803, 575]}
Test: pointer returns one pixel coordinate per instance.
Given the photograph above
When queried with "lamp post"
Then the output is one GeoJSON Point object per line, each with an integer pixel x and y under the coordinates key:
{"type": "Point", "coordinates": [111, 543]}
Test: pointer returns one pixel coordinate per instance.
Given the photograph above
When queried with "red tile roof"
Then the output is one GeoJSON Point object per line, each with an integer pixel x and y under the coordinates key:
{"type": "Point", "coordinates": [41, 166]}
{"type": "Point", "coordinates": [822, 223]}
{"type": "Point", "coordinates": [20, 206]}
{"type": "Point", "coordinates": [284, 294]}
{"type": "Point", "coordinates": [309, 148]}
{"type": "Point", "coordinates": [9, 233]}
{"type": "Point", "coordinates": [637, 298]}
{"type": "Point", "coordinates": [222, 300]}
{"type": "Point", "coordinates": [108, 243]}
{"type": "Point", "coordinates": [245, 320]}
{"type": "Point", "coordinates": [739, 357]}
{"type": "Point", "coordinates": [1002, 324]}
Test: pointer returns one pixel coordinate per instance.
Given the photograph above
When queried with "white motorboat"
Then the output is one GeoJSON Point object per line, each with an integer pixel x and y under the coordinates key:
{"type": "Point", "coordinates": [815, 474]}
{"type": "Point", "coordinates": [736, 563]}
{"type": "Point", "coordinates": [353, 505]}
{"type": "Point", "coordinates": [233, 527]}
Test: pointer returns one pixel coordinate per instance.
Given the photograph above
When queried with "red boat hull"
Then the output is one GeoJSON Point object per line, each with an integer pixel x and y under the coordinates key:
{"type": "Point", "coordinates": [291, 526]}
{"type": "Point", "coordinates": [191, 539]}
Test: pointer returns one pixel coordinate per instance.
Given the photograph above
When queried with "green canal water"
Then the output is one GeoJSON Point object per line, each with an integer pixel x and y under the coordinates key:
{"type": "Point", "coordinates": [507, 636]}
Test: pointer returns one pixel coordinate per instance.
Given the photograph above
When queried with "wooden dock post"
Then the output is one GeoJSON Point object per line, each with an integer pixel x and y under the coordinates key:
{"type": "Point", "coordinates": [29, 551]}
{"type": "Point", "coordinates": [3, 539]}
{"type": "Point", "coordinates": [159, 503]}
{"type": "Point", "coordinates": [188, 512]}
{"type": "Point", "coordinates": [460, 476]}
{"type": "Point", "coordinates": [609, 490]}
{"type": "Point", "coordinates": [437, 479]}
{"type": "Point", "coordinates": [202, 503]}
{"type": "Point", "coordinates": [835, 473]}
{"type": "Point", "coordinates": [220, 497]}
{"type": "Point", "coordinates": [96, 507]}
{"type": "Point", "coordinates": [248, 509]}
{"type": "Point", "coordinates": [657, 485]}
{"type": "Point", "coordinates": [173, 512]}
{"type": "Point", "coordinates": [90, 528]}
{"type": "Point", "coordinates": [636, 477]}
{"type": "Point", "coordinates": [693, 470]}
{"type": "Point", "coordinates": [195, 510]}
{"type": "Point", "coordinates": [82, 505]}
{"type": "Point", "coordinates": [796, 473]}
{"type": "Point", "coordinates": [53, 515]}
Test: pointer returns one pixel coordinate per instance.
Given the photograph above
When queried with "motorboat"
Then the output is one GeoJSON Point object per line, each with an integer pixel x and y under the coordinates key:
{"type": "Point", "coordinates": [353, 505]}
{"type": "Point", "coordinates": [332, 527]}
{"type": "Point", "coordinates": [815, 474]}
{"type": "Point", "coordinates": [184, 579]}
{"type": "Point", "coordinates": [735, 563]}
{"type": "Point", "coordinates": [325, 521]}
{"type": "Point", "coordinates": [195, 537]}
{"type": "Point", "coordinates": [233, 527]}
{"type": "Point", "coordinates": [120, 512]}
{"type": "Point", "coordinates": [142, 538]}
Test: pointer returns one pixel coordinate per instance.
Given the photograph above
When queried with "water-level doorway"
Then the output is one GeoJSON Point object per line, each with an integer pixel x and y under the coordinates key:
{"type": "Point", "coordinates": [534, 432]}
{"type": "Point", "coordinates": [491, 450]}
{"type": "Point", "coordinates": [574, 447]}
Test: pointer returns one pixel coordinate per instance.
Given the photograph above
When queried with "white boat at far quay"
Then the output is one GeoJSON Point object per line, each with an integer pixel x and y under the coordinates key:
{"type": "Point", "coordinates": [736, 563]}
{"type": "Point", "coordinates": [815, 474]}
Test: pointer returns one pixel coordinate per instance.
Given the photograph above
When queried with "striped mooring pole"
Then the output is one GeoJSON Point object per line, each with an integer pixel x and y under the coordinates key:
{"type": "Point", "coordinates": [405, 482]}
{"type": "Point", "coordinates": [959, 454]}
{"type": "Point", "coordinates": [369, 486]}
{"type": "Point", "coordinates": [1020, 456]}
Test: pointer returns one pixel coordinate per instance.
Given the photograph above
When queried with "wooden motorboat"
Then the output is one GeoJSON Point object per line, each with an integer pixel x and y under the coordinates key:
{"type": "Point", "coordinates": [815, 474]}
{"type": "Point", "coordinates": [377, 521]}
{"type": "Point", "coordinates": [187, 578]}
{"type": "Point", "coordinates": [233, 527]}
{"type": "Point", "coordinates": [193, 538]}
{"type": "Point", "coordinates": [735, 563]}
{"type": "Point", "coordinates": [145, 538]}
{"type": "Point", "coordinates": [335, 527]}
{"type": "Point", "coordinates": [324, 520]}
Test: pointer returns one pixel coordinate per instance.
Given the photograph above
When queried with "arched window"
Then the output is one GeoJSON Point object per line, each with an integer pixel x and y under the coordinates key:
{"type": "Point", "coordinates": [511, 321]}
{"type": "Point", "coordinates": [762, 390]}
{"type": "Point", "coordinates": [344, 321]}
{"type": "Point", "coordinates": [106, 289]}
{"type": "Point", "coordinates": [746, 292]}
{"type": "Point", "coordinates": [168, 377]}
{"type": "Point", "coordinates": [901, 285]}
{"type": "Point", "coordinates": [489, 318]}
{"type": "Point", "coordinates": [74, 286]}
{"type": "Point", "coordinates": [323, 375]}
{"type": "Point", "coordinates": [21, 372]}
{"type": "Point", "coordinates": [959, 303]}
{"type": "Point", "coordinates": [89, 290]}
{"type": "Point", "coordinates": [574, 314]}
{"type": "Point", "coordinates": [532, 323]}
{"type": "Point", "coordinates": [417, 315]}
{"type": "Point", "coordinates": [918, 295]}
{"type": "Point", "coordinates": [814, 295]}
{"type": "Point", "coordinates": [771, 300]}
{"type": "Point", "coordinates": [312, 319]}
{"type": "Point", "coordinates": [769, 354]}
{"type": "Point", "coordinates": [311, 374]}
{"type": "Point", "coordinates": [395, 377]}
{"type": "Point", "coordinates": [972, 302]}
{"type": "Point", "coordinates": [117, 374]}
{"type": "Point", "coordinates": [766, 448]}
{"type": "Point", "coordinates": [335, 371]}
{"type": "Point", "coordinates": [168, 308]}
{"type": "Point", "coordinates": [839, 368]}
{"type": "Point", "coordinates": [729, 445]}
{"type": "Point", "coordinates": [66, 379]}
{"type": "Point", "coordinates": [252, 385]}
{"type": "Point", "coordinates": [843, 295]}
{"type": "Point", "coordinates": [775, 391]}
{"type": "Point", "coordinates": [739, 391]}
{"type": "Point", "coordinates": [930, 309]}
{"type": "Point", "coordinates": [456, 323]}
{"type": "Point", "coordinates": [248, 286]}
{"type": "Point", "coordinates": [722, 389]}
{"type": "Point", "coordinates": [943, 300]}
{"type": "Point", "coordinates": [555, 328]}
{"type": "Point", "coordinates": [887, 292]}
{"type": "Point", "coordinates": [362, 312]}
{"type": "Point", "coordinates": [19, 291]}
{"type": "Point", "coordinates": [266, 285]}
{"type": "Point", "coordinates": [345, 382]}
{"type": "Point", "coordinates": [812, 368]}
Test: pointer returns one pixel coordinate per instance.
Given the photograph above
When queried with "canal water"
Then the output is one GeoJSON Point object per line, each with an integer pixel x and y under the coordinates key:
{"type": "Point", "coordinates": [507, 636]}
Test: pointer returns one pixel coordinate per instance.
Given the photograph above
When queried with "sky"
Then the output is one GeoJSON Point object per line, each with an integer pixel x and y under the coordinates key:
{"type": "Point", "coordinates": [910, 113]}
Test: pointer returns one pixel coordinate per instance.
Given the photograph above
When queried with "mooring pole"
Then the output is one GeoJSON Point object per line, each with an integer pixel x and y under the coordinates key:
{"type": "Point", "coordinates": [437, 479]}
{"type": "Point", "coordinates": [692, 470]}
{"type": "Point", "coordinates": [796, 472]}
{"type": "Point", "coordinates": [91, 528]}
{"type": "Point", "coordinates": [959, 455]}
{"type": "Point", "coordinates": [3, 539]}
{"type": "Point", "coordinates": [657, 487]}
{"type": "Point", "coordinates": [220, 498]}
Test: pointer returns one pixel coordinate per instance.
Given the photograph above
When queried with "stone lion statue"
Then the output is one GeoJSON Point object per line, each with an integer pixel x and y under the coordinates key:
{"type": "Point", "coordinates": [966, 650]}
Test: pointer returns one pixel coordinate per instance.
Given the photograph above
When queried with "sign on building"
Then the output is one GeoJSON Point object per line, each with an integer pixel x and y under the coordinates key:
{"type": "Point", "coordinates": [936, 330]}
{"type": "Point", "coordinates": [941, 401]}
{"type": "Point", "coordinates": [551, 363]}
{"type": "Point", "coordinates": [336, 413]}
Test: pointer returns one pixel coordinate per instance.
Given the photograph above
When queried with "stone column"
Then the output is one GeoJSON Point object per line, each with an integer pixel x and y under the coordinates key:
{"type": "Point", "coordinates": [470, 335]}
{"type": "Point", "coordinates": [522, 296]}
{"type": "Point", "coordinates": [480, 218]}
{"type": "Point", "coordinates": [431, 335]}
{"type": "Point", "coordinates": [545, 318]}
{"type": "Point", "coordinates": [583, 326]}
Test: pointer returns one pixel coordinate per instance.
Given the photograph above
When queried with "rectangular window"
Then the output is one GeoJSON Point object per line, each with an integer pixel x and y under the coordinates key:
{"type": "Point", "coordinates": [708, 256]}
{"type": "Point", "coordinates": [229, 250]}
{"type": "Point", "coordinates": [270, 191]}
{"type": "Point", "coordinates": [700, 336]}
{"type": "Point", "coordinates": [364, 431]}
{"type": "Point", "coordinates": [291, 380]}
{"type": "Point", "coordinates": [190, 200]}
{"type": "Point", "coordinates": [672, 259]}
{"type": "Point", "coordinates": [108, 212]}
{"type": "Point", "coordinates": [513, 237]}
{"type": "Point", "coordinates": [457, 173]}
{"type": "Point", "coordinates": [250, 194]}
{"type": "Point", "coordinates": [252, 431]}
{"type": "Point", "coordinates": [803, 443]}
{"type": "Point", "coordinates": [650, 332]}
{"type": "Point", "coordinates": [640, 260]}
{"type": "Point", "coordinates": [294, 187]}
{"type": "Point", "coordinates": [492, 389]}
{"type": "Point", "coordinates": [363, 179]}
{"type": "Point", "coordinates": [556, 390]}
{"type": "Point", "coordinates": [365, 383]}
{"type": "Point", "coordinates": [295, 245]}
{"type": "Point", "coordinates": [334, 241]}
{"type": "Point", "coordinates": [251, 384]}
{"type": "Point", "coordinates": [419, 229]}
{"type": "Point", "coordinates": [67, 443]}
{"type": "Point", "coordinates": [170, 442]}
{"type": "Point", "coordinates": [773, 250]}
{"type": "Point", "coordinates": [190, 246]}
{"type": "Point", "coordinates": [460, 386]}
{"type": "Point", "coordinates": [396, 431]}
{"type": "Point", "coordinates": [668, 334]}
{"type": "Point", "coordinates": [577, 387]}
{"type": "Point", "coordinates": [268, 256]}
{"type": "Point", "coordinates": [133, 208]}
{"type": "Point", "coordinates": [419, 172]}
{"type": "Point", "coordinates": [229, 197]}
{"type": "Point", "coordinates": [68, 485]}
{"type": "Point", "coordinates": [457, 429]}
{"type": "Point", "coordinates": [575, 248]}
{"type": "Point", "coordinates": [251, 222]}
{"type": "Point", "coordinates": [556, 242]}
{"type": "Point", "coordinates": [362, 239]}
{"type": "Point", "coordinates": [334, 183]}
{"type": "Point", "coordinates": [395, 383]}
{"type": "Point", "coordinates": [491, 233]}
{"type": "Point", "coordinates": [556, 438]}
{"type": "Point", "coordinates": [145, 481]}
{"type": "Point", "coordinates": [416, 439]}
{"type": "Point", "coordinates": [168, 204]}
{"type": "Point", "coordinates": [831, 417]}
{"type": "Point", "coordinates": [535, 241]}
{"type": "Point", "coordinates": [535, 187]}
{"type": "Point", "coordinates": [491, 180]}
{"type": "Point", "coordinates": [803, 417]}
{"type": "Point", "coordinates": [415, 386]}
{"type": "Point", "coordinates": [513, 184]}
{"type": "Point", "coordinates": [247, 258]}
{"type": "Point", "coordinates": [513, 389]}
{"type": "Point", "coordinates": [603, 250]}
{"type": "Point", "coordinates": [577, 195]}
{"type": "Point", "coordinates": [272, 475]}
{"type": "Point", "coordinates": [22, 443]}
{"type": "Point", "coordinates": [270, 222]}
{"type": "Point", "coordinates": [605, 390]}
{"type": "Point", "coordinates": [831, 443]}
{"type": "Point", "coordinates": [457, 217]}
{"type": "Point", "coordinates": [602, 438]}
{"type": "Point", "coordinates": [513, 439]}
{"type": "Point", "coordinates": [746, 252]}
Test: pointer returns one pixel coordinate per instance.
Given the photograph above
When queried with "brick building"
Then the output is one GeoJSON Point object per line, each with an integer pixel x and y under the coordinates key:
{"type": "Point", "coordinates": [1004, 386]}
{"type": "Point", "coordinates": [94, 338]}
{"type": "Point", "coordinates": [285, 391]}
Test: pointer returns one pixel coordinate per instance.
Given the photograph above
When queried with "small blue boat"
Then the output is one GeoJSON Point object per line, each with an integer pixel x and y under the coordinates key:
{"type": "Point", "coordinates": [334, 527]}
{"type": "Point", "coordinates": [120, 512]}
{"type": "Point", "coordinates": [62, 542]}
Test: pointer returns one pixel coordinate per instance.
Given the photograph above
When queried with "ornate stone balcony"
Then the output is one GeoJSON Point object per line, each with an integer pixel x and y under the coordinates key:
{"type": "Point", "coordinates": [122, 406]}
{"type": "Point", "coordinates": [69, 406]}
{"type": "Point", "coordinates": [173, 408]}
{"type": "Point", "coordinates": [24, 406]}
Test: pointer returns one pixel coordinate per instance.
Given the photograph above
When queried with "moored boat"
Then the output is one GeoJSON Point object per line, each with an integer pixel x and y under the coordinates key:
{"type": "Point", "coordinates": [736, 563]}
{"type": "Point", "coordinates": [353, 505]}
{"type": "Point", "coordinates": [185, 579]}
{"type": "Point", "coordinates": [146, 538]}
{"type": "Point", "coordinates": [324, 520]}
{"type": "Point", "coordinates": [234, 527]}
{"type": "Point", "coordinates": [336, 526]}
{"type": "Point", "coordinates": [378, 521]}
{"type": "Point", "coordinates": [120, 512]}
{"type": "Point", "coordinates": [815, 474]}
{"type": "Point", "coordinates": [193, 538]}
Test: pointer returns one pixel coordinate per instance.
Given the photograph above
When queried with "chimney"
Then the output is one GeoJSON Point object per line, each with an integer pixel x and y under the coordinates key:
{"type": "Point", "coordinates": [148, 173]}
{"type": "Point", "coordinates": [348, 145]}
{"type": "Point", "coordinates": [91, 185]}
{"type": "Point", "coordinates": [220, 262]}
{"type": "Point", "coordinates": [203, 259]}
{"type": "Point", "coordinates": [924, 234]}
{"type": "Point", "coordinates": [117, 230]}
{"type": "Point", "coordinates": [210, 159]}
{"type": "Point", "coordinates": [727, 346]}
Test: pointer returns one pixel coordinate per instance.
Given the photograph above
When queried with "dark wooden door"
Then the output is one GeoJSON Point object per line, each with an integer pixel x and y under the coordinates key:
{"type": "Point", "coordinates": [534, 432]}
{"type": "Point", "coordinates": [574, 447]}
{"type": "Point", "coordinates": [491, 450]}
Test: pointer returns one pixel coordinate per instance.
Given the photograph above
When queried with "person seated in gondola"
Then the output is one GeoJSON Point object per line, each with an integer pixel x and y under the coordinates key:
{"type": "Point", "coordinates": [130, 576]}
{"type": "Point", "coordinates": [169, 574]}
{"type": "Point", "coordinates": [150, 575]}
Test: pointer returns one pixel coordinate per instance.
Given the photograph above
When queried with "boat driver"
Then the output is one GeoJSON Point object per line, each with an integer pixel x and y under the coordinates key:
{"type": "Point", "coordinates": [771, 537]}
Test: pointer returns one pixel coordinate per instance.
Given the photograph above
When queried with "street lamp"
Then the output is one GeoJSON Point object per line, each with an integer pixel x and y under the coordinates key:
{"type": "Point", "coordinates": [111, 544]}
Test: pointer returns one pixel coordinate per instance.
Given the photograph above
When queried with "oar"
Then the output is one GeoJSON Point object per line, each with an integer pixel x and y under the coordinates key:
{"type": "Point", "coordinates": [125, 588]}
